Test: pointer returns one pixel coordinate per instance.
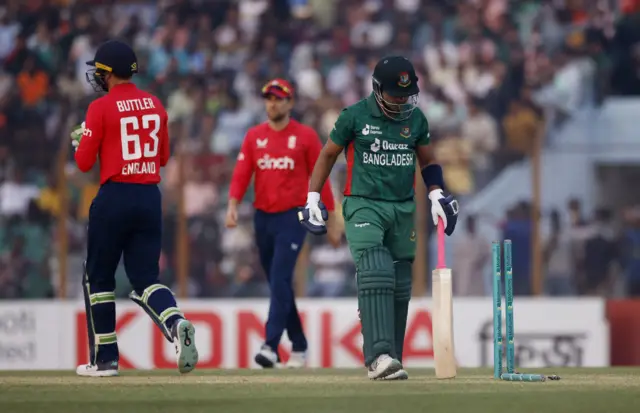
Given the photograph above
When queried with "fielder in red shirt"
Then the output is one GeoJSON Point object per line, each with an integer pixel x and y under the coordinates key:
{"type": "Point", "coordinates": [126, 131]}
{"type": "Point", "coordinates": [280, 154]}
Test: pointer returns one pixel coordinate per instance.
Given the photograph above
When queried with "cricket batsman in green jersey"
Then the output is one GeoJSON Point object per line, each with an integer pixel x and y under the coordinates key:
{"type": "Point", "coordinates": [382, 135]}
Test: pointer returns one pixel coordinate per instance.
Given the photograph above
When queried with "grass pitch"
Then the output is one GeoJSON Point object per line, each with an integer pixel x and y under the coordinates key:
{"type": "Point", "coordinates": [317, 391]}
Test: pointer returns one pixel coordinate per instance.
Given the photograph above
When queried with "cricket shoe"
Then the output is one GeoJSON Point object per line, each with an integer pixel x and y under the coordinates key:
{"type": "Point", "coordinates": [383, 366]}
{"type": "Point", "coordinates": [266, 357]}
{"type": "Point", "coordinates": [184, 340]}
{"type": "Point", "coordinates": [398, 375]}
{"type": "Point", "coordinates": [297, 360]}
{"type": "Point", "coordinates": [108, 369]}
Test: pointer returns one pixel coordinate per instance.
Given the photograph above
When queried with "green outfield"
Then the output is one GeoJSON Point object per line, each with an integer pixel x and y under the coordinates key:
{"type": "Point", "coordinates": [317, 391]}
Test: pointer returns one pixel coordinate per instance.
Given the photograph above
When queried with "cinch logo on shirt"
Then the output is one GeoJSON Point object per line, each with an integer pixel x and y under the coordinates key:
{"type": "Point", "coordinates": [267, 162]}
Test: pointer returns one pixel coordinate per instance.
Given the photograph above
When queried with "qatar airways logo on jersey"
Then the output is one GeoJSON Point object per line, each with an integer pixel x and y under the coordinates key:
{"type": "Point", "coordinates": [282, 163]}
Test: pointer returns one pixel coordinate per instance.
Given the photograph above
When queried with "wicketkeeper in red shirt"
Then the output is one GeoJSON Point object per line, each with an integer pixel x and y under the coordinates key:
{"type": "Point", "coordinates": [281, 154]}
{"type": "Point", "coordinates": [126, 131]}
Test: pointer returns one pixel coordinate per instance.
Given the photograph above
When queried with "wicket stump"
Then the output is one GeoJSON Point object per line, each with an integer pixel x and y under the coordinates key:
{"type": "Point", "coordinates": [511, 374]}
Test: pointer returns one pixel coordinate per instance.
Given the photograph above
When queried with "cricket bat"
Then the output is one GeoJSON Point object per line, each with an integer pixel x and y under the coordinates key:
{"type": "Point", "coordinates": [441, 287]}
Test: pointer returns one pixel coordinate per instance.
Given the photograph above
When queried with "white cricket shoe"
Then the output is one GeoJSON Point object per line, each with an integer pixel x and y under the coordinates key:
{"type": "Point", "coordinates": [98, 370]}
{"type": "Point", "coordinates": [297, 360]}
{"type": "Point", "coordinates": [383, 366]}
{"type": "Point", "coordinates": [266, 357]}
{"type": "Point", "coordinates": [184, 340]}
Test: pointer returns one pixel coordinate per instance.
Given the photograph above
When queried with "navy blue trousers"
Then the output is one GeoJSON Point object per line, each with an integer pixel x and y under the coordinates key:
{"type": "Point", "coordinates": [125, 220]}
{"type": "Point", "coordinates": [280, 237]}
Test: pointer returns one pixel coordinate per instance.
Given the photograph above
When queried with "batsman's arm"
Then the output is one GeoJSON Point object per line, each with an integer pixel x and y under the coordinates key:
{"type": "Point", "coordinates": [340, 136]}
{"type": "Point", "coordinates": [312, 155]}
{"type": "Point", "coordinates": [327, 158]}
{"type": "Point", "coordinates": [443, 208]}
{"type": "Point", "coordinates": [87, 152]}
{"type": "Point", "coordinates": [431, 171]}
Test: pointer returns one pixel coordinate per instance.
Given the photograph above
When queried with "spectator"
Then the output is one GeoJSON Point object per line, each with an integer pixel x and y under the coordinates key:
{"type": "Point", "coordinates": [309, 80]}
{"type": "Point", "coordinates": [559, 279]}
{"type": "Point", "coordinates": [181, 103]}
{"type": "Point", "coordinates": [480, 130]}
{"type": "Point", "coordinates": [10, 281]}
{"type": "Point", "coordinates": [332, 268]}
{"type": "Point", "coordinates": [518, 228]}
{"type": "Point", "coordinates": [600, 255]}
{"type": "Point", "coordinates": [7, 164]}
{"type": "Point", "coordinates": [521, 127]}
{"type": "Point", "coordinates": [41, 43]}
{"type": "Point", "coordinates": [471, 254]}
{"type": "Point", "coordinates": [247, 283]}
{"type": "Point", "coordinates": [33, 83]}
{"type": "Point", "coordinates": [342, 76]}
{"type": "Point", "coordinates": [232, 126]}
{"type": "Point", "coordinates": [455, 155]}
{"type": "Point", "coordinates": [630, 247]}
{"type": "Point", "coordinates": [8, 35]}
{"type": "Point", "coordinates": [49, 200]}
{"type": "Point", "coordinates": [201, 193]}
{"type": "Point", "coordinates": [15, 195]}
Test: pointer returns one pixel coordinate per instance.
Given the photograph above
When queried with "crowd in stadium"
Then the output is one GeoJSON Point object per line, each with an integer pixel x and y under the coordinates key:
{"type": "Point", "coordinates": [492, 72]}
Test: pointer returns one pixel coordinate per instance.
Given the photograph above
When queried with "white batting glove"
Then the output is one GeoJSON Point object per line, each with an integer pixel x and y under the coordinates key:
{"type": "Point", "coordinates": [313, 205]}
{"type": "Point", "coordinates": [445, 208]}
{"type": "Point", "coordinates": [314, 215]}
{"type": "Point", "coordinates": [436, 207]}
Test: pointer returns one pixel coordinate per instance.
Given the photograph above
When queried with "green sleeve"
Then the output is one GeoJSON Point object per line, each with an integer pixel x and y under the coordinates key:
{"type": "Point", "coordinates": [342, 132]}
{"type": "Point", "coordinates": [425, 136]}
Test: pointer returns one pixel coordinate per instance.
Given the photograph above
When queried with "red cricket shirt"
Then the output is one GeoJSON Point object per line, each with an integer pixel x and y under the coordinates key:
{"type": "Point", "coordinates": [282, 162]}
{"type": "Point", "coordinates": [126, 130]}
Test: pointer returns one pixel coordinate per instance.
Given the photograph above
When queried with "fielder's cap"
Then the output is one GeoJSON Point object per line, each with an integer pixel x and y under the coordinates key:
{"type": "Point", "coordinates": [396, 76]}
{"type": "Point", "coordinates": [115, 57]}
{"type": "Point", "coordinates": [279, 88]}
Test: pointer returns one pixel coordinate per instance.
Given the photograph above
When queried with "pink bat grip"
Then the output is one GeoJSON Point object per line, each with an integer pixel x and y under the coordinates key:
{"type": "Point", "coordinates": [441, 252]}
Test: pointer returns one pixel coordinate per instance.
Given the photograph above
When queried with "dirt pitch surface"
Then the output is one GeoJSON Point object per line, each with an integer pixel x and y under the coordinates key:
{"type": "Point", "coordinates": [317, 391]}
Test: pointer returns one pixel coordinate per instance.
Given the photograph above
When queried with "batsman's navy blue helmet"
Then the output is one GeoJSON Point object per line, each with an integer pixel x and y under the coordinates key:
{"type": "Point", "coordinates": [395, 76]}
{"type": "Point", "coordinates": [112, 57]}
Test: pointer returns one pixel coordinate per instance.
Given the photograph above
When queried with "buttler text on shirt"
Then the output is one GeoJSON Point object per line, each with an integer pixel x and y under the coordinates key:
{"type": "Point", "coordinates": [132, 105]}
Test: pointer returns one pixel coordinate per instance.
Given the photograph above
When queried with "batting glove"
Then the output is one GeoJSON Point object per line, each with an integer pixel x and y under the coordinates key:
{"type": "Point", "coordinates": [76, 135]}
{"type": "Point", "coordinates": [445, 208]}
{"type": "Point", "coordinates": [314, 215]}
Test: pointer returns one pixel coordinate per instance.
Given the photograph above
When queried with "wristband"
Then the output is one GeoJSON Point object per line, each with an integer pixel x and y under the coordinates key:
{"type": "Point", "coordinates": [432, 175]}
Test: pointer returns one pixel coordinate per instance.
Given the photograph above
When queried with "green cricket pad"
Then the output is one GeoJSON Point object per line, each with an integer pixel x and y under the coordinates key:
{"type": "Point", "coordinates": [402, 296]}
{"type": "Point", "coordinates": [376, 282]}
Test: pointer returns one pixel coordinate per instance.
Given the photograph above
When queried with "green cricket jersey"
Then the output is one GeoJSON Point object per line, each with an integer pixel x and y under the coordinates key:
{"type": "Point", "coordinates": [381, 157]}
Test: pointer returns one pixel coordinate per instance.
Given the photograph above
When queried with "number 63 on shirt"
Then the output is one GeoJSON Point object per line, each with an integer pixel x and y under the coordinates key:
{"type": "Point", "coordinates": [127, 131]}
